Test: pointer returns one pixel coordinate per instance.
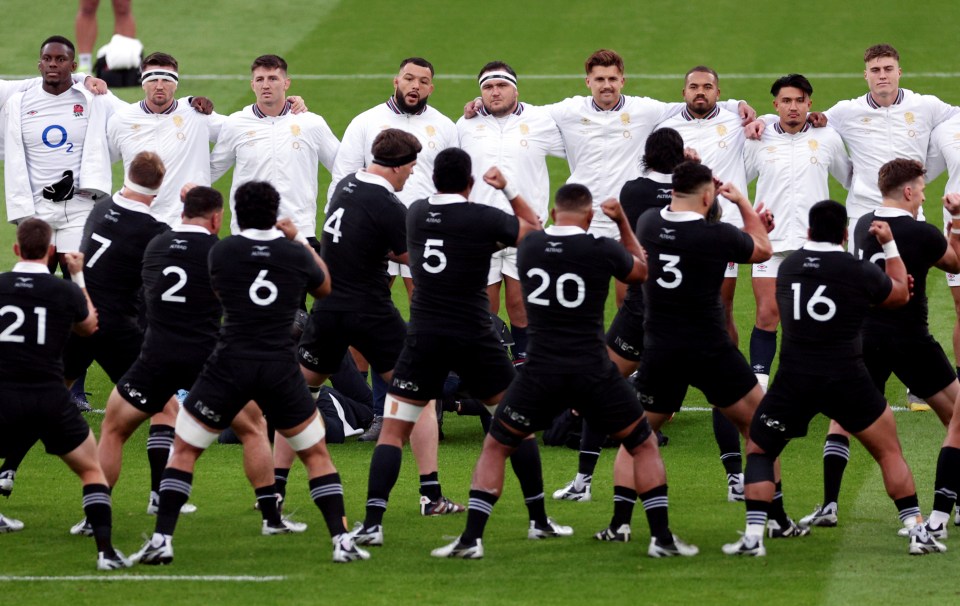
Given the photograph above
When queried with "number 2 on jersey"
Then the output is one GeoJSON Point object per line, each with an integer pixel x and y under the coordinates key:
{"type": "Point", "coordinates": [170, 295]}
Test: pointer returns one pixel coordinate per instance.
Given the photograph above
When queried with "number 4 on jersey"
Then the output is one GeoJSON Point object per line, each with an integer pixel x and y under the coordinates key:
{"type": "Point", "coordinates": [332, 225]}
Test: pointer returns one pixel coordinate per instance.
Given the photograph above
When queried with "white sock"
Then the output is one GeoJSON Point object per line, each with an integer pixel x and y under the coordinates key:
{"type": "Point", "coordinates": [938, 518]}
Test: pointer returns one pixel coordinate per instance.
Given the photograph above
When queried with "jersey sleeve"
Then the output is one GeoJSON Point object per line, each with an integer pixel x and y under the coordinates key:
{"type": "Point", "coordinates": [394, 223]}
{"type": "Point", "coordinates": [215, 124]}
{"type": "Point", "coordinates": [876, 282]}
{"type": "Point", "coordinates": [738, 244]}
{"type": "Point", "coordinates": [315, 275]}
{"type": "Point", "coordinates": [79, 303]}
{"type": "Point", "coordinates": [935, 164]}
{"type": "Point", "coordinates": [326, 143]}
{"type": "Point", "coordinates": [224, 153]}
{"type": "Point", "coordinates": [114, 127]}
{"type": "Point", "coordinates": [841, 167]}
{"type": "Point", "coordinates": [350, 155]}
{"type": "Point", "coordinates": [935, 244]}
{"type": "Point", "coordinates": [750, 165]}
{"type": "Point", "coordinates": [836, 116]}
{"type": "Point", "coordinates": [940, 111]}
{"type": "Point", "coordinates": [503, 227]}
{"type": "Point", "coordinates": [620, 260]}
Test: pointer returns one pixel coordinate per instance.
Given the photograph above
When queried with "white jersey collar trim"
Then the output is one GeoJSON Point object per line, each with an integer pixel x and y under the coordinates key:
{"type": "Point", "coordinates": [891, 212]}
{"type": "Point", "coordinates": [187, 228]}
{"type": "Point", "coordinates": [131, 205]}
{"type": "Point", "coordinates": [564, 230]}
{"type": "Point", "coordinates": [440, 199]}
{"type": "Point", "coordinates": [30, 267]}
{"type": "Point", "coordinates": [262, 235]}
{"type": "Point", "coordinates": [659, 177]}
{"type": "Point", "coordinates": [679, 216]}
{"type": "Point", "coordinates": [373, 179]}
{"type": "Point", "coordinates": [823, 246]}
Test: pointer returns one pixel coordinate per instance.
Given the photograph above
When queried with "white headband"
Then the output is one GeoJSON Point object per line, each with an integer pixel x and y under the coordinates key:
{"type": "Point", "coordinates": [159, 74]}
{"type": "Point", "coordinates": [140, 189]}
{"type": "Point", "coordinates": [498, 75]}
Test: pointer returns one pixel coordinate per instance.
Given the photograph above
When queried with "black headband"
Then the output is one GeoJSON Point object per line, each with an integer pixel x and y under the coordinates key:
{"type": "Point", "coordinates": [394, 162]}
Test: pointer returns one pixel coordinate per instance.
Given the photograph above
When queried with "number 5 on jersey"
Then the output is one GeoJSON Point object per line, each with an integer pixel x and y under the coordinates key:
{"type": "Point", "coordinates": [431, 250]}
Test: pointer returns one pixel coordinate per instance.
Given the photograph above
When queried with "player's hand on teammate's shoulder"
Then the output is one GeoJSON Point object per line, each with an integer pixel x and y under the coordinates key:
{"type": "Point", "coordinates": [472, 108]}
{"type": "Point", "coordinates": [766, 216]}
{"type": "Point", "coordinates": [754, 130]}
{"type": "Point", "coordinates": [202, 105]}
{"type": "Point", "coordinates": [494, 178]}
{"type": "Point", "coordinates": [288, 228]}
{"type": "Point", "coordinates": [95, 85]}
{"type": "Point", "coordinates": [817, 119]}
{"type": "Point", "coordinates": [297, 104]}
{"type": "Point", "coordinates": [747, 113]}
{"type": "Point", "coordinates": [611, 208]}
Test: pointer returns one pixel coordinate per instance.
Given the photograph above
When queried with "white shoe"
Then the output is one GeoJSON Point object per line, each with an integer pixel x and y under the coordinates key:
{"type": "Point", "coordinates": [372, 536]}
{"type": "Point", "coordinates": [908, 525]}
{"type": "Point", "coordinates": [678, 548]}
{"type": "Point", "coordinates": [921, 542]}
{"type": "Point", "coordinates": [939, 533]}
{"type": "Point", "coordinates": [153, 507]}
{"type": "Point", "coordinates": [158, 550]}
{"type": "Point", "coordinates": [82, 529]}
{"type": "Point", "coordinates": [457, 550]}
{"type": "Point", "coordinates": [619, 535]}
{"type": "Point", "coordinates": [552, 530]}
{"type": "Point", "coordinates": [956, 517]}
{"type": "Point", "coordinates": [9, 524]}
{"type": "Point", "coordinates": [571, 493]}
{"type": "Point", "coordinates": [113, 562]}
{"type": "Point", "coordinates": [345, 549]}
{"type": "Point", "coordinates": [823, 515]}
{"type": "Point", "coordinates": [287, 526]}
{"type": "Point", "coordinates": [748, 546]}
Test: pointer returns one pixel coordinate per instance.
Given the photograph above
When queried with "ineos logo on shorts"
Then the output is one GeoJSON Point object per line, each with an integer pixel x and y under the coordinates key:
{"type": "Point", "coordinates": [202, 408]}
{"type": "Point", "coordinates": [773, 423]}
{"type": "Point", "coordinates": [405, 385]}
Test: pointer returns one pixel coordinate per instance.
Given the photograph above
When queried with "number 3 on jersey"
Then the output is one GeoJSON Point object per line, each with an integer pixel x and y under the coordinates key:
{"type": "Point", "coordinates": [817, 299]}
{"type": "Point", "coordinates": [676, 277]}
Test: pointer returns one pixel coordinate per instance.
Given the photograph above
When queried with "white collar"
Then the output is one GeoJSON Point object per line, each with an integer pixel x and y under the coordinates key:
{"type": "Point", "coordinates": [373, 179]}
{"type": "Point", "coordinates": [187, 228]}
{"type": "Point", "coordinates": [890, 212]}
{"type": "Point", "coordinates": [30, 267]}
{"type": "Point", "coordinates": [823, 246]}
{"type": "Point", "coordinates": [131, 205]}
{"type": "Point", "coordinates": [564, 230]}
{"type": "Point", "coordinates": [262, 235]}
{"type": "Point", "coordinates": [659, 177]}
{"type": "Point", "coordinates": [679, 216]}
{"type": "Point", "coordinates": [441, 199]}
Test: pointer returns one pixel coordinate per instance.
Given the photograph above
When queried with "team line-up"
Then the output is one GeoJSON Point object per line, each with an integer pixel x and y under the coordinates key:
{"type": "Point", "coordinates": [656, 200]}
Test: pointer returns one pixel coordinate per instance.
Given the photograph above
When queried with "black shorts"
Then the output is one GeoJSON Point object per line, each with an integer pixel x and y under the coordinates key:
{"type": "Point", "coordinates": [919, 362]}
{"type": "Point", "coordinates": [604, 399]}
{"type": "Point", "coordinates": [153, 379]}
{"type": "Point", "coordinates": [227, 383]}
{"type": "Point", "coordinates": [115, 349]}
{"type": "Point", "coordinates": [794, 399]}
{"type": "Point", "coordinates": [625, 336]}
{"type": "Point", "coordinates": [426, 360]}
{"type": "Point", "coordinates": [44, 412]}
{"type": "Point", "coordinates": [722, 374]}
{"type": "Point", "coordinates": [379, 337]}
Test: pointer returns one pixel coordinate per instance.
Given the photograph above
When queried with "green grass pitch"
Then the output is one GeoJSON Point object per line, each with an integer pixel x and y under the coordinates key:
{"type": "Point", "coordinates": [749, 43]}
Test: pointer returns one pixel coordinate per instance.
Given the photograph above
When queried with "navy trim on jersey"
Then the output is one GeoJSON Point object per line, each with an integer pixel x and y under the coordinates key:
{"type": "Point", "coordinates": [779, 129]}
{"type": "Point", "coordinates": [617, 107]}
{"type": "Point", "coordinates": [875, 105]}
{"type": "Point", "coordinates": [516, 111]}
{"type": "Point", "coordinates": [690, 117]}
{"type": "Point", "coordinates": [392, 104]}
{"type": "Point", "coordinates": [169, 110]}
{"type": "Point", "coordinates": [258, 113]}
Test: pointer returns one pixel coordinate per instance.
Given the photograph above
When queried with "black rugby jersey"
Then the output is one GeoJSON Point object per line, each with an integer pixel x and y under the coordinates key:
{"type": "Point", "coordinates": [260, 278]}
{"type": "Point", "coordinates": [921, 245]}
{"type": "Point", "coordinates": [37, 313]}
{"type": "Point", "coordinates": [686, 258]}
{"type": "Point", "coordinates": [450, 242]}
{"type": "Point", "coordinates": [565, 275]}
{"type": "Point", "coordinates": [824, 294]}
{"type": "Point", "coordinates": [637, 197]}
{"type": "Point", "coordinates": [365, 221]}
{"type": "Point", "coordinates": [182, 310]}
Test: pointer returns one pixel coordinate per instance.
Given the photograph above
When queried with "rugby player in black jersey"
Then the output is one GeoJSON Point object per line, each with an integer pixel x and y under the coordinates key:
{"type": "Point", "coordinates": [825, 295]}
{"type": "Point", "coordinates": [37, 314]}
{"type": "Point", "coordinates": [898, 341]}
{"type": "Point", "coordinates": [450, 241]}
{"type": "Point", "coordinates": [565, 275]}
{"type": "Point", "coordinates": [260, 277]}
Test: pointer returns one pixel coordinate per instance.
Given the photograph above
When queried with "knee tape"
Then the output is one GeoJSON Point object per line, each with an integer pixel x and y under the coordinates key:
{"type": "Point", "coordinates": [311, 434]}
{"type": "Point", "coordinates": [638, 436]}
{"type": "Point", "coordinates": [193, 433]}
{"type": "Point", "coordinates": [402, 411]}
{"type": "Point", "coordinates": [759, 469]}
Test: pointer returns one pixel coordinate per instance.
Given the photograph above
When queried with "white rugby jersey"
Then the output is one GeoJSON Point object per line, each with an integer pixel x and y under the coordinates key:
{"type": "Point", "coordinates": [604, 147]}
{"type": "Point", "coordinates": [435, 132]}
{"type": "Point", "coordinates": [9, 87]}
{"type": "Point", "coordinates": [875, 135]}
{"type": "Point", "coordinates": [792, 172]}
{"type": "Point", "coordinates": [718, 138]}
{"type": "Point", "coordinates": [181, 136]}
{"type": "Point", "coordinates": [53, 127]}
{"type": "Point", "coordinates": [944, 155]}
{"type": "Point", "coordinates": [518, 145]}
{"type": "Point", "coordinates": [284, 150]}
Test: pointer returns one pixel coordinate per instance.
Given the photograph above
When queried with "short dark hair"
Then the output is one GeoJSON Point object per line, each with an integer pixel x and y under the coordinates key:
{"type": "Point", "coordinates": [269, 62]}
{"type": "Point", "coordinates": [704, 69]}
{"type": "Point", "coordinates": [60, 40]}
{"type": "Point", "coordinates": [418, 61]}
{"type": "Point", "coordinates": [689, 176]}
{"type": "Point", "coordinates": [604, 58]}
{"type": "Point", "coordinates": [33, 236]}
{"type": "Point", "coordinates": [451, 171]}
{"type": "Point", "coordinates": [828, 221]}
{"type": "Point", "coordinates": [393, 144]}
{"type": "Point", "coordinates": [159, 59]}
{"type": "Point", "coordinates": [147, 169]}
{"type": "Point", "coordinates": [202, 201]}
{"type": "Point", "coordinates": [663, 150]}
{"type": "Point", "coordinates": [496, 66]}
{"type": "Point", "coordinates": [573, 197]}
{"type": "Point", "coordinates": [898, 172]}
{"type": "Point", "coordinates": [256, 204]}
{"type": "Point", "coordinates": [880, 50]}
{"type": "Point", "coordinates": [791, 81]}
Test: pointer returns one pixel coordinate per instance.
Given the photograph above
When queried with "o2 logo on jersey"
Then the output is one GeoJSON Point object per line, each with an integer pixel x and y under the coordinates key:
{"type": "Point", "coordinates": [55, 136]}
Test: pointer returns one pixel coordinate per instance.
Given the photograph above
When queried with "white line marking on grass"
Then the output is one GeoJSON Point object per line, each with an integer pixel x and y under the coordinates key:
{"type": "Point", "coordinates": [710, 409]}
{"type": "Point", "coordinates": [731, 76]}
{"type": "Point", "coordinates": [213, 578]}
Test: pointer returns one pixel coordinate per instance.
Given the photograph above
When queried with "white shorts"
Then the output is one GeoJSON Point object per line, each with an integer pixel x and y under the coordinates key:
{"type": "Point", "coordinates": [67, 220]}
{"type": "Point", "coordinates": [503, 263]}
{"type": "Point", "coordinates": [731, 271]}
{"type": "Point", "coordinates": [398, 269]}
{"type": "Point", "coordinates": [952, 279]}
{"type": "Point", "coordinates": [768, 269]}
{"type": "Point", "coordinates": [607, 229]}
